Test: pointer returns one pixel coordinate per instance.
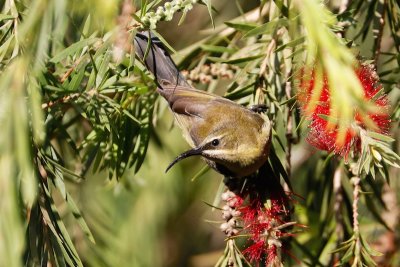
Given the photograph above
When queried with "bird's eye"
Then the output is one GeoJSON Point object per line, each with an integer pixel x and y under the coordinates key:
{"type": "Point", "coordinates": [215, 142]}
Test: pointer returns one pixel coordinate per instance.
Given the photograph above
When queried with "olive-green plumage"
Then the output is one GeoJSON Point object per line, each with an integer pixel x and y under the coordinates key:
{"type": "Point", "coordinates": [233, 139]}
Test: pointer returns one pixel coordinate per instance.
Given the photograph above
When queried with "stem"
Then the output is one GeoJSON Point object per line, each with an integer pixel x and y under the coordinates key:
{"type": "Point", "coordinates": [289, 127]}
{"type": "Point", "coordinates": [268, 52]}
{"type": "Point", "coordinates": [337, 191]}
{"type": "Point", "coordinates": [232, 254]}
{"type": "Point", "coordinates": [356, 228]}
{"type": "Point", "coordinates": [343, 6]}
{"type": "Point", "coordinates": [356, 198]}
{"type": "Point", "coordinates": [70, 97]}
{"type": "Point", "coordinates": [378, 39]}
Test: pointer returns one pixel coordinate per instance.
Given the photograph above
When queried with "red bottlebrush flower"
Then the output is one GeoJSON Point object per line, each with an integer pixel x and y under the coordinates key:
{"type": "Point", "coordinates": [263, 225]}
{"type": "Point", "coordinates": [255, 252]}
{"type": "Point", "coordinates": [325, 138]}
{"type": "Point", "coordinates": [260, 212]}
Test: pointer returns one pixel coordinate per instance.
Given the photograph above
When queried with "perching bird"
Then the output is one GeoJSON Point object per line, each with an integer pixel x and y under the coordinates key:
{"type": "Point", "coordinates": [232, 139]}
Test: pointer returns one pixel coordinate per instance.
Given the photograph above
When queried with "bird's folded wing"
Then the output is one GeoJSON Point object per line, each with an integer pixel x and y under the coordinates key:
{"type": "Point", "coordinates": [188, 101]}
{"type": "Point", "coordinates": [158, 61]}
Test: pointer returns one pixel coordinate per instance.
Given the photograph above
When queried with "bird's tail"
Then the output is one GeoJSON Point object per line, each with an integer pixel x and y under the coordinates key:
{"type": "Point", "coordinates": [158, 61]}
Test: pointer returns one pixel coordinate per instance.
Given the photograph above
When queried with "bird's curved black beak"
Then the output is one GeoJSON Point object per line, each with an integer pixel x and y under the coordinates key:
{"type": "Point", "coordinates": [186, 154]}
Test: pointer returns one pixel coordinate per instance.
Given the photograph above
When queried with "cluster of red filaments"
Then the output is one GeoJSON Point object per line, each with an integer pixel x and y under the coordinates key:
{"type": "Point", "coordinates": [325, 138]}
{"type": "Point", "coordinates": [265, 227]}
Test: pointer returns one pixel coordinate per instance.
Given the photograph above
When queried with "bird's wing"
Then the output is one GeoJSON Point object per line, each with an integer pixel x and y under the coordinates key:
{"type": "Point", "coordinates": [188, 101]}
{"type": "Point", "coordinates": [158, 61]}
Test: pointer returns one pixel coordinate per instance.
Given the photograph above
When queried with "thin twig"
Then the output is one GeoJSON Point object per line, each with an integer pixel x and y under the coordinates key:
{"type": "Point", "coordinates": [289, 127]}
{"type": "Point", "coordinates": [356, 198]}
{"type": "Point", "coordinates": [68, 98]}
{"type": "Point", "coordinates": [356, 227]}
{"type": "Point", "coordinates": [268, 52]}
{"type": "Point", "coordinates": [122, 42]}
{"type": "Point", "coordinates": [337, 191]}
{"type": "Point", "coordinates": [343, 6]}
{"type": "Point", "coordinates": [378, 39]}
{"type": "Point", "coordinates": [260, 96]}
{"type": "Point", "coordinates": [232, 258]}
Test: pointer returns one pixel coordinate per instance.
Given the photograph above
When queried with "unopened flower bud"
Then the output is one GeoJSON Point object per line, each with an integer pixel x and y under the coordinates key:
{"type": "Point", "coordinates": [227, 195]}
{"type": "Point", "coordinates": [234, 231]}
{"type": "Point", "coordinates": [205, 69]}
{"type": "Point", "coordinates": [236, 213]}
{"type": "Point", "coordinates": [194, 75]}
{"type": "Point", "coordinates": [232, 222]}
{"type": "Point", "coordinates": [232, 202]}
{"type": "Point", "coordinates": [160, 11]}
{"type": "Point", "coordinates": [224, 227]}
{"type": "Point", "coordinates": [226, 215]}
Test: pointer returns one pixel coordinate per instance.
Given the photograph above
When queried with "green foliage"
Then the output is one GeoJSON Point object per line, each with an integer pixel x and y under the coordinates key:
{"type": "Point", "coordinates": [84, 138]}
{"type": "Point", "coordinates": [85, 113]}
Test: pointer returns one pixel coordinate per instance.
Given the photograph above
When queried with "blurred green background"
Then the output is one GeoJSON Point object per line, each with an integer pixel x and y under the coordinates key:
{"type": "Point", "coordinates": [154, 218]}
{"type": "Point", "coordinates": [148, 218]}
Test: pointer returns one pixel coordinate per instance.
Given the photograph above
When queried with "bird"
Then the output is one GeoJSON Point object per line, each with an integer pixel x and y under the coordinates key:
{"type": "Point", "coordinates": [232, 139]}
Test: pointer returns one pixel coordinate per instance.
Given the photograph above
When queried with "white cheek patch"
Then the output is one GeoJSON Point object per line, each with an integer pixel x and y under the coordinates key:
{"type": "Point", "coordinates": [231, 155]}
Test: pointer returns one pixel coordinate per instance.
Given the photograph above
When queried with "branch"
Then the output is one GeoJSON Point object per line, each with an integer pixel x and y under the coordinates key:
{"type": "Point", "coordinates": [68, 98]}
{"type": "Point", "coordinates": [378, 39]}
{"type": "Point", "coordinates": [356, 227]}
{"type": "Point", "coordinates": [337, 192]}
